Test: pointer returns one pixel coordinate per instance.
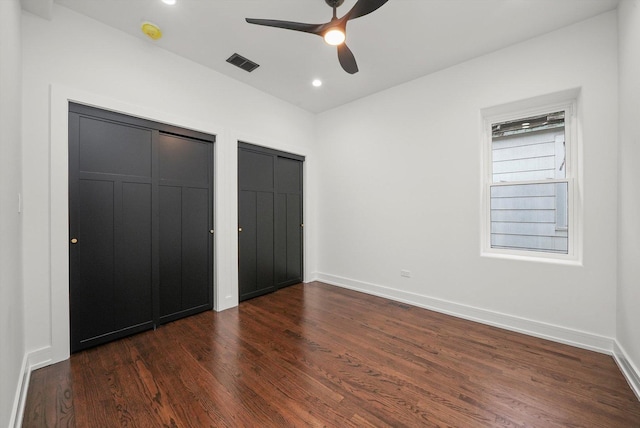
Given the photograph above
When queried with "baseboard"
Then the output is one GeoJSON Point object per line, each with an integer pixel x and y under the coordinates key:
{"type": "Point", "coordinates": [21, 393]}
{"type": "Point", "coordinates": [568, 336]}
{"type": "Point", "coordinates": [40, 358]}
{"type": "Point", "coordinates": [31, 361]}
{"type": "Point", "coordinates": [630, 372]}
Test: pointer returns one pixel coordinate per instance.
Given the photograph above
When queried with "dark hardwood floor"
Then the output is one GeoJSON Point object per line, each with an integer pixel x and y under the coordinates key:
{"type": "Point", "coordinates": [317, 355]}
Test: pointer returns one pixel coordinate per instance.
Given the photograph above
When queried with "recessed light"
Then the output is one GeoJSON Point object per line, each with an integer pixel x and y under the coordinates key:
{"type": "Point", "coordinates": [317, 83]}
{"type": "Point", "coordinates": [169, 2]}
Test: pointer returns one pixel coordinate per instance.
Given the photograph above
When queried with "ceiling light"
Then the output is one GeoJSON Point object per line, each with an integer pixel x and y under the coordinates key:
{"type": "Point", "coordinates": [334, 37]}
{"type": "Point", "coordinates": [317, 83]}
{"type": "Point", "coordinates": [169, 2]}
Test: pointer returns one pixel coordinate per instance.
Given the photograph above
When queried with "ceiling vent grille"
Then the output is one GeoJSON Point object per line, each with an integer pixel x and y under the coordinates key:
{"type": "Point", "coordinates": [242, 62]}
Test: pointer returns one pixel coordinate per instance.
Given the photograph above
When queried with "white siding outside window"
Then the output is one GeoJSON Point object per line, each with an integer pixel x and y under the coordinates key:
{"type": "Point", "coordinates": [529, 216]}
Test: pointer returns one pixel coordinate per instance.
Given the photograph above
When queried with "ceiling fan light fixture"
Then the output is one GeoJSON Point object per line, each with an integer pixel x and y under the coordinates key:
{"type": "Point", "coordinates": [334, 37]}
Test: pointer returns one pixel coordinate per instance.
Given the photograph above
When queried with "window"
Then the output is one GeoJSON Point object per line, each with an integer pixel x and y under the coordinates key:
{"type": "Point", "coordinates": [530, 183]}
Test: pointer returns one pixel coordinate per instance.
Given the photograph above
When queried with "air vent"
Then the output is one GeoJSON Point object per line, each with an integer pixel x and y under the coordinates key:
{"type": "Point", "coordinates": [242, 62]}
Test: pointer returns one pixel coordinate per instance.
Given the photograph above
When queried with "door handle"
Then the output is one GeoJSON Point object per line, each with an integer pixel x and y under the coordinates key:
{"type": "Point", "coordinates": [239, 229]}
{"type": "Point", "coordinates": [74, 240]}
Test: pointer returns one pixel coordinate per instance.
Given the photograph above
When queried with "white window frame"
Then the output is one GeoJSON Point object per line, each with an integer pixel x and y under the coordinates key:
{"type": "Point", "coordinates": [567, 101]}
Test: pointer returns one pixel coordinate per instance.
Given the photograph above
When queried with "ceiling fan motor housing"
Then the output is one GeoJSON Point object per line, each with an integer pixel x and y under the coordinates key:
{"type": "Point", "coordinates": [334, 3]}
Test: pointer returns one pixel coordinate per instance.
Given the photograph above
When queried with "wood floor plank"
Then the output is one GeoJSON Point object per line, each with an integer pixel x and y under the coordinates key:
{"type": "Point", "coordinates": [317, 355]}
{"type": "Point", "coordinates": [51, 405]}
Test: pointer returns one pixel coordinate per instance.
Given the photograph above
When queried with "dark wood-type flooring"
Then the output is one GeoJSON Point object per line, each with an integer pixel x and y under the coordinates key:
{"type": "Point", "coordinates": [317, 355]}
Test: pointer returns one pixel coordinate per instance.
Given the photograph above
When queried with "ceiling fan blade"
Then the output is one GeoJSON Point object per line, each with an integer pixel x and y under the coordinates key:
{"type": "Point", "coordinates": [365, 7]}
{"type": "Point", "coordinates": [347, 60]}
{"type": "Point", "coordinates": [288, 25]}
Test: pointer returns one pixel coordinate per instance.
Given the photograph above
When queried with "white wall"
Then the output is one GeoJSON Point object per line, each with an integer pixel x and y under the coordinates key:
{"type": "Point", "coordinates": [401, 186]}
{"type": "Point", "coordinates": [11, 304]}
{"type": "Point", "coordinates": [73, 57]}
{"type": "Point", "coordinates": [628, 331]}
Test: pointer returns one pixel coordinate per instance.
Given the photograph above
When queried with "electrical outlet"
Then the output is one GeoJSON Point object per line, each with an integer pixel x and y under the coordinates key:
{"type": "Point", "coordinates": [405, 274]}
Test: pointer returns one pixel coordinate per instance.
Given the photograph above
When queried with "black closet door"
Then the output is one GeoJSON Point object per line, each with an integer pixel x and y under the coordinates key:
{"type": "Point", "coordinates": [140, 223]}
{"type": "Point", "coordinates": [269, 219]}
{"type": "Point", "coordinates": [256, 213]}
{"type": "Point", "coordinates": [289, 222]}
{"type": "Point", "coordinates": [110, 224]}
{"type": "Point", "coordinates": [185, 210]}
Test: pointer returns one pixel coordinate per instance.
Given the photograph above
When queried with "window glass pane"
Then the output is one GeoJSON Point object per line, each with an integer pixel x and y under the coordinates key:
{"type": "Point", "coordinates": [530, 217]}
{"type": "Point", "coordinates": [529, 149]}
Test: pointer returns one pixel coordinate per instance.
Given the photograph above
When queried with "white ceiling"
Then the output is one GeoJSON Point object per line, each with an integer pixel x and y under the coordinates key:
{"type": "Point", "coordinates": [401, 41]}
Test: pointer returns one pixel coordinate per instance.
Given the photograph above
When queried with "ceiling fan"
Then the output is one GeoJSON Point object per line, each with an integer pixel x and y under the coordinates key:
{"type": "Point", "coordinates": [334, 32]}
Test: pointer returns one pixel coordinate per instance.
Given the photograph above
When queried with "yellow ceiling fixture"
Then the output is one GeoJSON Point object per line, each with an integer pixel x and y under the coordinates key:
{"type": "Point", "coordinates": [151, 30]}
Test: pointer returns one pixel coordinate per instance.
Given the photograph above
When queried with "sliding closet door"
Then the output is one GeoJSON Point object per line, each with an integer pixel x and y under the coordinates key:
{"type": "Point", "coordinates": [185, 213]}
{"type": "Point", "coordinates": [110, 225]}
{"type": "Point", "coordinates": [269, 219]}
{"type": "Point", "coordinates": [288, 242]}
{"type": "Point", "coordinates": [140, 223]}
{"type": "Point", "coordinates": [256, 213]}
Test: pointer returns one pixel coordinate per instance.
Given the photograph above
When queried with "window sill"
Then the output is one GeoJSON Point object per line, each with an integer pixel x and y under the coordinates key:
{"type": "Point", "coordinates": [556, 259]}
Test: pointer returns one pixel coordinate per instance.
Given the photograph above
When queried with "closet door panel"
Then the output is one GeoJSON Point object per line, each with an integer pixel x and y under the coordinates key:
{"type": "Point", "coordinates": [256, 170]}
{"type": "Point", "coordinates": [195, 247]}
{"type": "Point", "coordinates": [281, 244]}
{"type": "Point", "coordinates": [114, 148]}
{"type": "Point", "coordinates": [294, 237]}
{"type": "Point", "coordinates": [170, 224]}
{"type": "Point", "coordinates": [132, 288]}
{"type": "Point", "coordinates": [92, 294]}
{"type": "Point", "coordinates": [183, 159]}
{"type": "Point", "coordinates": [289, 175]}
{"type": "Point", "coordinates": [265, 240]}
{"type": "Point", "coordinates": [247, 244]}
